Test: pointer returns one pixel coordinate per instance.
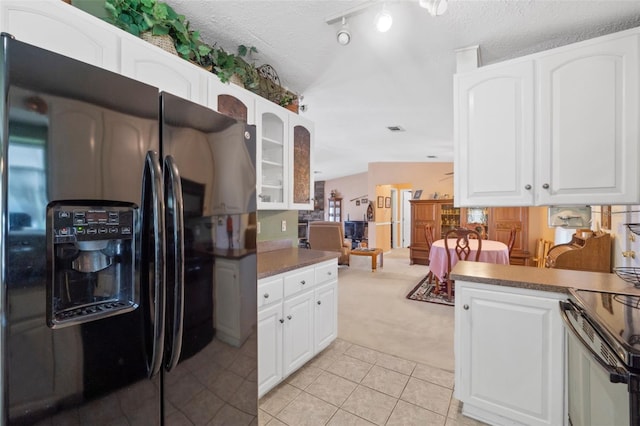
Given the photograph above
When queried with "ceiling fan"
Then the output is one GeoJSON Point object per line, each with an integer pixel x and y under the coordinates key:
{"type": "Point", "coordinates": [448, 175]}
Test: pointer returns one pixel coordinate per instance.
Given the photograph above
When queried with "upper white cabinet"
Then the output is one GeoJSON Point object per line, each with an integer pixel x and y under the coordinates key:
{"type": "Point", "coordinates": [588, 123]}
{"type": "Point", "coordinates": [231, 100]}
{"type": "Point", "coordinates": [300, 160]}
{"type": "Point", "coordinates": [509, 346]}
{"type": "Point", "coordinates": [151, 65]}
{"type": "Point", "coordinates": [272, 134]}
{"type": "Point", "coordinates": [494, 134]}
{"type": "Point", "coordinates": [558, 127]}
{"type": "Point", "coordinates": [64, 29]}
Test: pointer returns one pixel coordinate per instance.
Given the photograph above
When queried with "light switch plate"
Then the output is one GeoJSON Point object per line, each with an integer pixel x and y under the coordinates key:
{"type": "Point", "coordinates": [284, 226]}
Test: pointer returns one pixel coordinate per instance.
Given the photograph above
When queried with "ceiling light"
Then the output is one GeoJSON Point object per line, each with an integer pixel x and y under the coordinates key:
{"type": "Point", "coordinates": [343, 35]}
{"type": "Point", "coordinates": [435, 7]}
{"type": "Point", "coordinates": [383, 20]}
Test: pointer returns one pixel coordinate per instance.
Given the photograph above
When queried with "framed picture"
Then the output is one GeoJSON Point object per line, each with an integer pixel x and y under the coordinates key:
{"type": "Point", "coordinates": [380, 202]}
{"type": "Point", "coordinates": [357, 202]}
{"type": "Point", "coordinates": [364, 200]}
{"type": "Point", "coordinates": [605, 217]}
{"type": "Point", "coordinates": [417, 194]}
{"type": "Point", "coordinates": [387, 202]}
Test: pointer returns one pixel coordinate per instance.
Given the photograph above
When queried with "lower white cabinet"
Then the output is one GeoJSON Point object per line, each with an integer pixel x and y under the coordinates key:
{"type": "Point", "coordinates": [509, 346]}
{"type": "Point", "coordinates": [297, 318]}
{"type": "Point", "coordinates": [235, 298]}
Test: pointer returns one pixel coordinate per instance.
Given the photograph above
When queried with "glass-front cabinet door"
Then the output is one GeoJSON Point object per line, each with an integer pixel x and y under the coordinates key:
{"type": "Point", "coordinates": [272, 131]}
{"type": "Point", "coordinates": [301, 175]}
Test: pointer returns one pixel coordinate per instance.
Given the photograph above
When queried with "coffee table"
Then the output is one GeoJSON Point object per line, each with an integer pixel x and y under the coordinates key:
{"type": "Point", "coordinates": [373, 253]}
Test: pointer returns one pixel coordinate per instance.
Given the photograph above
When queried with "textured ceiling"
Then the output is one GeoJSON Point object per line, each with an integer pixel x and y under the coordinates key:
{"type": "Point", "coordinates": [402, 77]}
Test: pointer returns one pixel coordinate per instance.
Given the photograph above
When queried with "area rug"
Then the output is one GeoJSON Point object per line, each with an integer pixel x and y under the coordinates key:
{"type": "Point", "coordinates": [423, 292]}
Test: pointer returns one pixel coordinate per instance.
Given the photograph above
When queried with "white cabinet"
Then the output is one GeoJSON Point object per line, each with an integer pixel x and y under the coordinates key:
{"type": "Point", "coordinates": [235, 302]}
{"type": "Point", "coordinates": [285, 146]}
{"type": "Point", "coordinates": [300, 161]}
{"type": "Point", "coordinates": [494, 135]}
{"type": "Point", "coordinates": [509, 346]}
{"type": "Point", "coordinates": [588, 130]}
{"type": "Point", "coordinates": [231, 100]}
{"type": "Point", "coordinates": [297, 318]}
{"type": "Point", "coordinates": [558, 127]}
{"type": "Point", "coordinates": [272, 134]}
{"type": "Point", "coordinates": [151, 65]}
{"type": "Point", "coordinates": [62, 28]}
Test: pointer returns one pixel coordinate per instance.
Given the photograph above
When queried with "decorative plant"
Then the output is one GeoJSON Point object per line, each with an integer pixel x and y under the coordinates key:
{"type": "Point", "coordinates": [247, 70]}
{"type": "Point", "coordinates": [139, 16]}
{"type": "Point", "coordinates": [286, 98]}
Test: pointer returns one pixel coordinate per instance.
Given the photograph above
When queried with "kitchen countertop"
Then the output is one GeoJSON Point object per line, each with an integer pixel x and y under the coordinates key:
{"type": "Point", "coordinates": [545, 279]}
{"type": "Point", "coordinates": [277, 261]}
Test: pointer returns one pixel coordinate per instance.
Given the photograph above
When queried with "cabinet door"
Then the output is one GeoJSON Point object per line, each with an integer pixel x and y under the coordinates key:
{"type": "Point", "coordinates": [300, 161]}
{"type": "Point", "coordinates": [272, 133]}
{"type": "Point", "coordinates": [502, 219]}
{"type": "Point", "coordinates": [269, 347]}
{"type": "Point", "coordinates": [231, 100]}
{"type": "Point", "coordinates": [509, 355]}
{"type": "Point", "coordinates": [64, 29]}
{"type": "Point", "coordinates": [227, 298]}
{"type": "Point", "coordinates": [493, 133]}
{"type": "Point", "coordinates": [588, 129]}
{"type": "Point", "coordinates": [151, 65]}
{"type": "Point", "coordinates": [326, 315]}
{"type": "Point", "coordinates": [298, 331]}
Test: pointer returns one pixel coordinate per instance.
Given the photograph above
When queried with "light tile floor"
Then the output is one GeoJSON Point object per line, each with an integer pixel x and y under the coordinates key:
{"type": "Point", "coordinates": [348, 384]}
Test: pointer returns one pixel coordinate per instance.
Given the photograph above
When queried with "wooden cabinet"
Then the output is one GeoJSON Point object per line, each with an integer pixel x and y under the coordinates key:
{"type": "Point", "coordinates": [64, 29]}
{"type": "Point", "coordinates": [574, 107]}
{"type": "Point", "coordinates": [509, 346]}
{"type": "Point", "coordinates": [498, 222]}
{"type": "Point", "coordinates": [440, 214]}
{"type": "Point", "coordinates": [297, 318]}
{"type": "Point", "coordinates": [334, 209]}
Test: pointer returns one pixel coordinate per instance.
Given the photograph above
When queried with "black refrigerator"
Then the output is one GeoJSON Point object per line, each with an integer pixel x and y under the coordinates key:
{"type": "Point", "coordinates": [117, 202]}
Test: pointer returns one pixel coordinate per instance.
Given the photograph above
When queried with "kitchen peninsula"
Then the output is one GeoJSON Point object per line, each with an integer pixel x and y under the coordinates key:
{"type": "Point", "coordinates": [297, 310]}
{"type": "Point", "coordinates": [510, 339]}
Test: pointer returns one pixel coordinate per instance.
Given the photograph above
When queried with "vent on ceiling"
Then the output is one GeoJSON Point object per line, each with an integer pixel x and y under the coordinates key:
{"type": "Point", "coordinates": [396, 128]}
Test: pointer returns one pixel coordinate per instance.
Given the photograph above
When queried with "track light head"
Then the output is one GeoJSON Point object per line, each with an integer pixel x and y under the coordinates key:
{"type": "Point", "coordinates": [435, 7]}
{"type": "Point", "coordinates": [383, 20]}
{"type": "Point", "coordinates": [343, 36]}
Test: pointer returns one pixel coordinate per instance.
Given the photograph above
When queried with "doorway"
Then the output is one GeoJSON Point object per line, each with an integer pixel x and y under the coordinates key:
{"type": "Point", "coordinates": [395, 234]}
{"type": "Point", "coordinates": [405, 213]}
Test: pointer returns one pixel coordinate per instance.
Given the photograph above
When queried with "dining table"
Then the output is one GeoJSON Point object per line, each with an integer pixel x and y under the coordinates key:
{"type": "Point", "coordinates": [490, 252]}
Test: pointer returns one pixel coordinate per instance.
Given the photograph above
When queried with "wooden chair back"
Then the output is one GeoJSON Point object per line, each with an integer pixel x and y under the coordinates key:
{"type": "Point", "coordinates": [462, 250]}
{"type": "Point", "coordinates": [512, 239]}
{"type": "Point", "coordinates": [428, 235]}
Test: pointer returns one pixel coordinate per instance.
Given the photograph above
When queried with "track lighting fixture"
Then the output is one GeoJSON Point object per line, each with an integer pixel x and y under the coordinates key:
{"type": "Point", "coordinates": [343, 35]}
{"type": "Point", "coordinates": [435, 7]}
{"type": "Point", "coordinates": [383, 20]}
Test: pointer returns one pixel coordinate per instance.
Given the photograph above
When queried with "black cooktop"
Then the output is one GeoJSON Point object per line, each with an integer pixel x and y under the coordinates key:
{"type": "Point", "coordinates": [617, 319]}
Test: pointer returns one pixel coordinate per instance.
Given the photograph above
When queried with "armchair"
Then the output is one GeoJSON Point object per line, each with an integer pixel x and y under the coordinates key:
{"type": "Point", "coordinates": [329, 236]}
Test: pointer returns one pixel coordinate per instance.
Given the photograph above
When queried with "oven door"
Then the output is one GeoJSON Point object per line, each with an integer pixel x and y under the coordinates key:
{"type": "Point", "coordinates": [597, 390]}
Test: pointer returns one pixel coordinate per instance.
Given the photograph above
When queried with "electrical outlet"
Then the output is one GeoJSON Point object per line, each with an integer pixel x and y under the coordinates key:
{"type": "Point", "coordinates": [284, 226]}
{"type": "Point", "coordinates": [258, 228]}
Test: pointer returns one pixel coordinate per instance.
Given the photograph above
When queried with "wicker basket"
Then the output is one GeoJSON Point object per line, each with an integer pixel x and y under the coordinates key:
{"type": "Point", "coordinates": [164, 42]}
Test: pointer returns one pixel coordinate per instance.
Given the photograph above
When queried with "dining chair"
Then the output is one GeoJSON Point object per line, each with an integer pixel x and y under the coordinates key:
{"type": "Point", "coordinates": [428, 236]}
{"type": "Point", "coordinates": [461, 250]}
{"type": "Point", "coordinates": [512, 240]}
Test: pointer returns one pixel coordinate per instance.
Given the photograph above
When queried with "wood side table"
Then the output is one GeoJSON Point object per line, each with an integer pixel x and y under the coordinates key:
{"type": "Point", "coordinates": [373, 254]}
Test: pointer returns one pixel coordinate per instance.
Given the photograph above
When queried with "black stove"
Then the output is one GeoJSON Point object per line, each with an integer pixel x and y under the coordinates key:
{"type": "Point", "coordinates": [616, 318]}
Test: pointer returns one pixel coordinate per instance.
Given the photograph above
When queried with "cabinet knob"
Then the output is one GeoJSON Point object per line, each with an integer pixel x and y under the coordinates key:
{"type": "Point", "coordinates": [465, 307]}
{"type": "Point", "coordinates": [545, 186]}
{"type": "Point", "coordinates": [281, 320]}
{"type": "Point", "coordinates": [289, 317]}
{"type": "Point", "coordinates": [319, 302]}
{"type": "Point", "coordinates": [527, 187]}
{"type": "Point", "coordinates": [266, 295]}
{"type": "Point", "coordinates": [329, 273]}
{"type": "Point", "coordinates": [303, 282]}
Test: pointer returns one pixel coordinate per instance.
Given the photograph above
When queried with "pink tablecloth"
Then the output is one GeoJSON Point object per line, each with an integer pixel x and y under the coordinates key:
{"type": "Point", "coordinates": [491, 252]}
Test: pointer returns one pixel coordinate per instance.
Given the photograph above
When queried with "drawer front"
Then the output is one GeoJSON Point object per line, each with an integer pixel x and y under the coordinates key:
{"type": "Point", "coordinates": [298, 281]}
{"type": "Point", "coordinates": [270, 291]}
{"type": "Point", "coordinates": [327, 272]}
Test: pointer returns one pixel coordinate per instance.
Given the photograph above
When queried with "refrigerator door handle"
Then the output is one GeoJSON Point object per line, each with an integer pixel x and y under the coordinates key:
{"type": "Point", "coordinates": [158, 298]}
{"type": "Point", "coordinates": [174, 199]}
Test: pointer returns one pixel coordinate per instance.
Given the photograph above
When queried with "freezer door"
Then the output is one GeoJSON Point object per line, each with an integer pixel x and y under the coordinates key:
{"type": "Point", "coordinates": [214, 159]}
{"type": "Point", "coordinates": [75, 135]}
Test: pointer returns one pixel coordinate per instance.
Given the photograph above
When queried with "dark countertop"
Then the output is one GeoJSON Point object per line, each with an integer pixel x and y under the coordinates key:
{"type": "Point", "coordinates": [545, 279]}
{"type": "Point", "coordinates": [277, 261]}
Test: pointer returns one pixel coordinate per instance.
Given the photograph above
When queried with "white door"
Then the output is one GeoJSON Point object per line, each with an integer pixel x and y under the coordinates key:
{"type": "Point", "coordinates": [406, 218]}
{"type": "Point", "coordinates": [298, 331]}
{"type": "Point", "coordinates": [269, 347]}
{"type": "Point", "coordinates": [326, 315]}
